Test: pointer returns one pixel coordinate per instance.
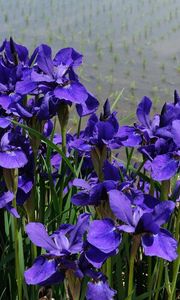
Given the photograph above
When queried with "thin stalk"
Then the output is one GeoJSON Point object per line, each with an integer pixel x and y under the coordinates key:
{"type": "Point", "coordinates": [109, 270]}
{"type": "Point", "coordinates": [176, 263]}
{"type": "Point", "coordinates": [135, 246]}
{"type": "Point", "coordinates": [63, 116]}
{"type": "Point", "coordinates": [129, 156]}
{"type": "Point", "coordinates": [17, 260]}
{"type": "Point", "coordinates": [149, 275]}
{"type": "Point", "coordinates": [165, 188]}
{"type": "Point", "coordinates": [11, 179]}
{"type": "Point", "coordinates": [160, 273]}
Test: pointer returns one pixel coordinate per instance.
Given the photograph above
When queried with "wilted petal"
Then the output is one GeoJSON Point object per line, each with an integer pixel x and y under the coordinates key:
{"type": "Point", "coordinates": [121, 206]}
{"type": "Point", "coordinates": [99, 290]}
{"type": "Point", "coordinates": [162, 245]}
{"type": "Point", "coordinates": [103, 235]}
{"type": "Point", "coordinates": [39, 236]}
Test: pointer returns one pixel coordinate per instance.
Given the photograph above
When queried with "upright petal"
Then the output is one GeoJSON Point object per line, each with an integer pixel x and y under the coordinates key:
{"type": "Point", "coordinates": [44, 60]}
{"type": "Point", "coordinates": [76, 235]}
{"type": "Point", "coordinates": [39, 236]}
{"type": "Point", "coordinates": [143, 111]}
{"type": "Point", "coordinates": [121, 206]}
{"type": "Point", "coordinates": [68, 57]}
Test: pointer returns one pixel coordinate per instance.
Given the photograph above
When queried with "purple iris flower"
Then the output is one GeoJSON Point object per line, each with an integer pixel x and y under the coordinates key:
{"type": "Point", "coordinates": [156, 241]}
{"type": "Point", "coordinates": [14, 64]}
{"type": "Point", "coordinates": [100, 132]}
{"type": "Point", "coordinates": [94, 192]}
{"type": "Point", "coordinates": [163, 159]}
{"type": "Point", "coordinates": [62, 247]}
{"type": "Point", "coordinates": [56, 79]}
{"type": "Point", "coordinates": [164, 125]}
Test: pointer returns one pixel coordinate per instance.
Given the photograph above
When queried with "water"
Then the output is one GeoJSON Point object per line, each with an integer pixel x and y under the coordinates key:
{"type": "Point", "coordinates": [132, 45]}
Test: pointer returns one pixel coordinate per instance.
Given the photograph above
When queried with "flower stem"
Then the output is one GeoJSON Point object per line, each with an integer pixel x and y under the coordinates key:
{"type": "Point", "coordinates": [176, 263]}
{"type": "Point", "coordinates": [63, 116]}
{"type": "Point", "coordinates": [135, 246]}
{"type": "Point", "coordinates": [17, 260]}
{"type": "Point", "coordinates": [109, 270]}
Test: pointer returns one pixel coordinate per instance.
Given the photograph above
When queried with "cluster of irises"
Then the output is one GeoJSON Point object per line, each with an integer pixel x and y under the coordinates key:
{"type": "Point", "coordinates": [109, 209]}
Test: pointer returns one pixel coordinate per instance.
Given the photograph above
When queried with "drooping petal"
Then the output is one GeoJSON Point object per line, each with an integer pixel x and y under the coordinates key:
{"type": "Point", "coordinates": [81, 183]}
{"type": "Point", "coordinates": [12, 210]}
{"type": "Point", "coordinates": [39, 236]}
{"type": "Point", "coordinates": [4, 122]}
{"type": "Point", "coordinates": [163, 167]}
{"type": "Point", "coordinates": [103, 235]}
{"type": "Point", "coordinates": [25, 87]}
{"type": "Point", "coordinates": [81, 198]}
{"type": "Point", "coordinates": [121, 206]}
{"type": "Point", "coordinates": [162, 245]}
{"type": "Point", "coordinates": [99, 290]}
{"type": "Point", "coordinates": [5, 198]}
{"type": "Point", "coordinates": [43, 271]}
{"type": "Point", "coordinates": [13, 159]}
{"type": "Point", "coordinates": [88, 107]}
{"type": "Point", "coordinates": [133, 138]}
{"type": "Point", "coordinates": [73, 92]}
